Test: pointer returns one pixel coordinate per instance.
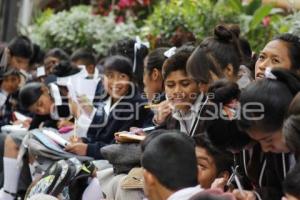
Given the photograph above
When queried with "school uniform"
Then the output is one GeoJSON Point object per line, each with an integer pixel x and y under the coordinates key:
{"type": "Point", "coordinates": [99, 91]}
{"type": "Point", "coordinates": [108, 119]}
{"type": "Point", "coordinates": [264, 171]}
{"type": "Point", "coordinates": [189, 122]}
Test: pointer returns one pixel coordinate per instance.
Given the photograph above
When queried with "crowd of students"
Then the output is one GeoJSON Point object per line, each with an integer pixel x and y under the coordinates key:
{"type": "Point", "coordinates": [227, 119]}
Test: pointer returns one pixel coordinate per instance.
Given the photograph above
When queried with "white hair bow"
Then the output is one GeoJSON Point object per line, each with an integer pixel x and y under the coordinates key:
{"type": "Point", "coordinates": [170, 52]}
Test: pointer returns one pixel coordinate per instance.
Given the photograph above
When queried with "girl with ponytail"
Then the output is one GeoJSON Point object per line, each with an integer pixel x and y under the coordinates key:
{"type": "Point", "coordinates": [219, 122]}
{"type": "Point", "coordinates": [264, 104]}
{"type": "Point", "coordinates": [274, 95]}
{"type": "Point", "coordinates": [221, 56]}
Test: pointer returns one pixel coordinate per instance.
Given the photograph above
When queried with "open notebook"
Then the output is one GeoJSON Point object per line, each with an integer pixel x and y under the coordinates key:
{"type": "Point", "coordinates": [51, 140]}
{"type": "Point", "coordinates": [126, 137]}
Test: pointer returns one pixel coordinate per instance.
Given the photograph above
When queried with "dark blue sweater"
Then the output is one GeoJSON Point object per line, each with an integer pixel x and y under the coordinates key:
{"type": "Point", "coordinates": [129, 112]}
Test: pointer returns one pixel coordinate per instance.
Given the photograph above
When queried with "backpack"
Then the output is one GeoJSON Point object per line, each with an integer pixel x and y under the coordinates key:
{"type": "Point", "coordinates": [67, 178]}
{"type": "Point", "coordinates": [41, 146]}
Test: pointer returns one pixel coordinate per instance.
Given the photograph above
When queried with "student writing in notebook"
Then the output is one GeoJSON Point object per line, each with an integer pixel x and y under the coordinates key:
{"type": "Point", "coordinates": [121, 107]}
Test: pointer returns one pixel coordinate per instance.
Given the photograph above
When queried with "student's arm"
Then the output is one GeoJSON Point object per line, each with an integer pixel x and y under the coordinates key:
{"type": "Point", "coordinates": [264, 193]}
{"type": "Point", "coordinates": [106, 137]}
{"type": "Point", "coordinates": [164, 110]}
{"type": "Point", "coordinates": [94, 150]}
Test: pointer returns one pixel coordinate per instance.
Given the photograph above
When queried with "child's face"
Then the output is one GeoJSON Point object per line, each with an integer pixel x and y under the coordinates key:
{"type": "Point", "coordinates": [42, 106]}
{"type": "Point", "coordinates": [270, 142]}
{"type": "Point", "coordinates": [275, 54]}
{"type": "Point", "coordinates": [153, 83]}
{"type": "Point", "coordinates": [49, 64]}
{"type": "Point", "coordinates": [19, 63]}
{"type": "Point", "coordinates": [207, 170]}
{"type": "Point", "coordinates": [116, 84]}
{"type": "Point", "coordinates": [89, 68]}
{"type": "Point", "coordinates": [10, 83]}
{"type": "Point", "coordinates": [181, 90]}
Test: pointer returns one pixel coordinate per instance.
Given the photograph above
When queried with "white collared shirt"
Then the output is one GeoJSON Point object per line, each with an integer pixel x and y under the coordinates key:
{"type": "Point", "coordinates": [108, 107]}
{"type": "Point", "coordinates": [84, 121]}
{"type": "Point", "coordinates": [186, 120]}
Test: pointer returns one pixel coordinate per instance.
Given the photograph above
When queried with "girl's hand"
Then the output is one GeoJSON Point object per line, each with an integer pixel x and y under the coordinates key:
{"type": "Point", "coordinates": [26, 123]}
{"type": "Point", "coordinates": [77, 148]}
{"type": "Point", "coordinates": [244, 195]}
{"type": "Point", "coordinates": [137, 131]}
{"type": "Point", "coordinates": [75, 110]}
{"type": "Point", "coordinates": [219, 183]}
{"type": "Point", "coordinates": [164, 109]}
{"type": "Point", "coordinates": [75, 139]}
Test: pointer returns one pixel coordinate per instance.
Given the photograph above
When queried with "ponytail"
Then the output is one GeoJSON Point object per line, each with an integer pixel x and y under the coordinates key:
{"type": "Point", "coordinates": [222, 130]}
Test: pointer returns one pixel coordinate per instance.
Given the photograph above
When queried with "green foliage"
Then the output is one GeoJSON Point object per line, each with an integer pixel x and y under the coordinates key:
{"type": "Point", "coordinates": [292, 24]}
{"type": "Point", "coordinates": [198, 16]}
{"type": "Point", "coordinates": [259, 23]}
{"type": "Point", "coordinates": [44, 16]}
{"type": "Point", "coordinates": [78, 28]}
{"type": "Point", "coordinates": [259, 15]}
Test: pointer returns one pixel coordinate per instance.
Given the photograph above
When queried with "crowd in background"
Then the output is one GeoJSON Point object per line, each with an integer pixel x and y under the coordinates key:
{"type": "Point", "coordinates": [226, 119]}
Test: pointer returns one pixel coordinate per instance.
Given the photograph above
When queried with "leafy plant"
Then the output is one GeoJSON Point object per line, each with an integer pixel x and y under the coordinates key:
{"type": "Point", "coordinates": [259, 23]}
{"type": "Point", "coordinates": [191, 15]}
{"type": "Point", "coordinates": [138, 9]}
{"type": "Point", "coordinates": [78, 28]}
{"type": "Point", "coordinates": [293, 22]}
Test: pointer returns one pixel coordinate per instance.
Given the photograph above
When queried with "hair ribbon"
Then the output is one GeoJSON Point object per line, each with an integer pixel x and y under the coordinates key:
{"type": "Point", "coordinates": [170, 52]}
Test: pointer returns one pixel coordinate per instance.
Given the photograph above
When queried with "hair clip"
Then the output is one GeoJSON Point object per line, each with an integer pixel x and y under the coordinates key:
{"type": "Point", "coordinates": [229, 112]}
{"type": "Point", "coordinates": [170, 52]}
{"type": "Point", "coordinates": [269, 74]}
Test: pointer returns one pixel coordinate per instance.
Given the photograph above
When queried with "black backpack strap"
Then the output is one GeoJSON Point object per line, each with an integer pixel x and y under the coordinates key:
{"type": "Point", "coordinates": [71, 172]}
{"type": "Point", "coordinates": [54, 169]}
{"type": "Point", "coordinates": [80, 182]}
